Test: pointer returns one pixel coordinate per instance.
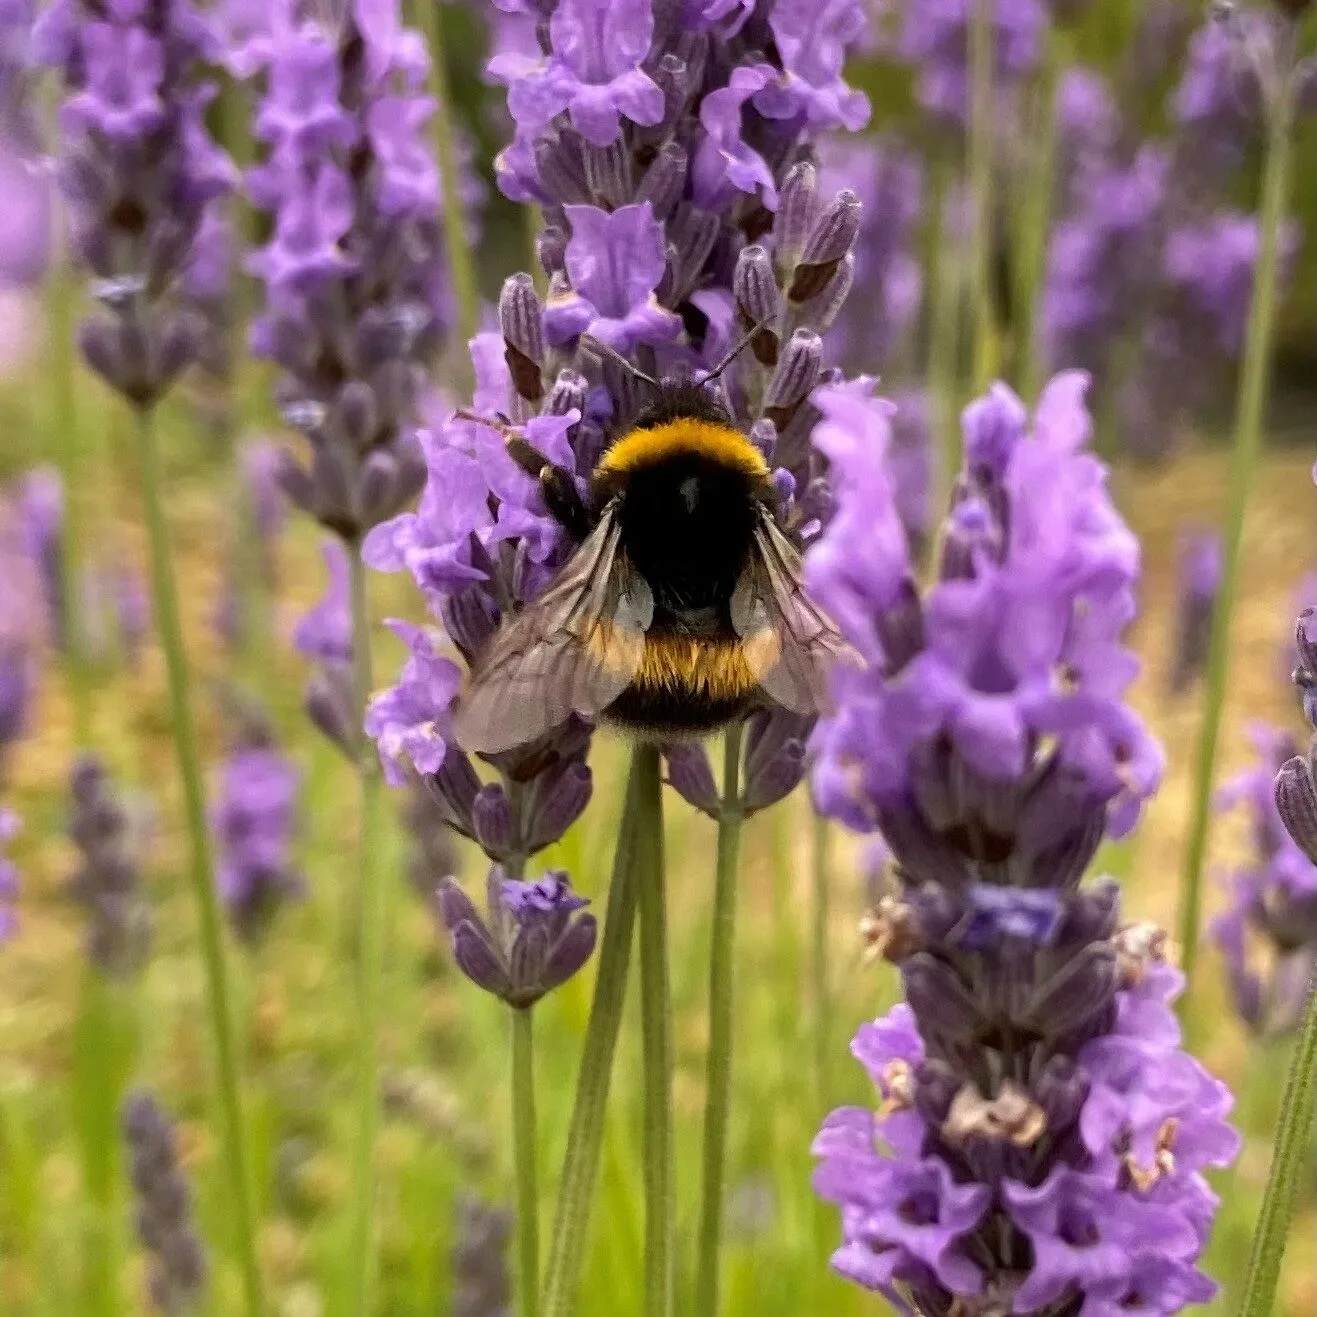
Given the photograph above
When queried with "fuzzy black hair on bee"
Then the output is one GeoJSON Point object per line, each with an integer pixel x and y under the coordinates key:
{"type": "Point", "coordinates": [682, 608]}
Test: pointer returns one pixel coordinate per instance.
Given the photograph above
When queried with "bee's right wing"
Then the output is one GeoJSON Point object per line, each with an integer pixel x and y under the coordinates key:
{"type": "Point", "coordinates": [575, 649]}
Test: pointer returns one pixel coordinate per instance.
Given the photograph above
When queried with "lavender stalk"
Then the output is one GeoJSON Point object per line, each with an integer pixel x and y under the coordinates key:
{"type": "Point", "coordinates": [1246, 444]}
{"type": "Point", "coordinates": [718, 1080]}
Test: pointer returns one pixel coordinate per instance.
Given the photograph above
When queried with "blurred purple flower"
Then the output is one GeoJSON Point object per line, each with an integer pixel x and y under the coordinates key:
{"type": "Point", "coordinates": [592, 71]}
{"type": "Point", "coordinates": [41, 509]}
{"type": "Point", "coordinates": [935, 40]}
{"type": "Point", "coordinates": [989, 744]}
{"type": "Point", "coordinates": [357, 299]}
{"type": "Point", "coordinates": [888, 182]}
{"type": "Point", "coordinates": [1199, 580]}
{"type": "Point", "coordinates": [1268, 932]}
{"type": "Point", "coordinates": [482, 1285]}
{"type": "Point", "coordinates": [165, 1218]}
{"type": "Point", "coordinates": [141, 174]}
{"type": "Point", "coordinates": [254, 821]}
{"type": "Point", "coordinates": [534, 939]}
{"type": "Point", "coordinates": [9, 829]}
{"type": "Point", "coordinates": [251, 568]}
{"type": "Point", "coordinates": [106, 883]}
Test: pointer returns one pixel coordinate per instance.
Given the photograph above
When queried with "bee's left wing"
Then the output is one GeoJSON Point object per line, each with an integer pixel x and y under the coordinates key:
{"type": "Point", "coordinates": [790, 643]}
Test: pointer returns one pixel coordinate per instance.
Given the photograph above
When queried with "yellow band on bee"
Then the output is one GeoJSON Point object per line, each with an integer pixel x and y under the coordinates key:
{"type": "Point", "coordinates": [716, 670]}
{"type": "Point", "coordinates": [680, 438]}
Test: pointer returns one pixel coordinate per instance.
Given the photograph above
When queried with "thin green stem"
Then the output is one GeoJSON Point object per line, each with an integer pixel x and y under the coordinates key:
{"type": "Point", "coordinates": [981, 37]}
{"type": "Point", "coordinates": [457, 239]}
{"type": "Point", "coordinates": [722, 962]}
{"type": "Point", "coordinates": [944, 338]}
{"type": "Point", "coordinates": [525, 1151]}
{"type": "Point", "coordinates": [821, 863]}
{"type": "Point", "coordinates": [372, 897]}
{"type": "Point", "coordinates": [656, 1031]}
{"type": "Point", "coordinates": [580, 1171]}
{"type": "Point", "coordinates": [1246, 445]}
{"type": "Point", "coordinates": [1035, 224]}
{"type": "Point", "coordinates": [64, 424]}
{"type": "Point", "coordinates": [1288, 1163]}
{"type": "Point", "coordinates": [165, 600]}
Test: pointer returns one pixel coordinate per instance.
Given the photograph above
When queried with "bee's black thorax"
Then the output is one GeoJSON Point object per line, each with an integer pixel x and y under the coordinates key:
{"type": "Point", "coordinates": [687, 524]}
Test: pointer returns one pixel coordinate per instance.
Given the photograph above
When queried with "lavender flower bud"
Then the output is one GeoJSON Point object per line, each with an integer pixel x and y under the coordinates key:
{"type": "Point", "coordinates": [828, 244]}
{"type": "Point", "coordinates": [521, 318]}
{"type": "Point", "coordinates": [533, 941]}
{"type": "Point", "coordinates": [1296, 802]}
{"type": "Point", "coordinates": [797, 212]}
{"type": "Point", "coordinates": [774, 758]}
{"type": "Point", "coordinates": [118, 935]}
{"type": "Point", "coordinates": [690, 775]}
{"type": "Point", "coordinates": [165, 1222]}
{"type": "Point", "coordinates": [758, 301]}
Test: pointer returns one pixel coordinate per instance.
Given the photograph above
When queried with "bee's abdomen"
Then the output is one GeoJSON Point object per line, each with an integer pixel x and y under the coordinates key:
{"type": "Point", "coordinates": [686, 686]}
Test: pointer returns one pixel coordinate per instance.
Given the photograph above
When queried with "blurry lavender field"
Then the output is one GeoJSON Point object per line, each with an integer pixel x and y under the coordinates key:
{"type": "Point", "coordinates": [260, 258]}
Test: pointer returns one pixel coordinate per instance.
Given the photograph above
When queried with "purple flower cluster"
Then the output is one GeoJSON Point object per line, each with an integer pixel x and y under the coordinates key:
{"type": "Point", "coordinates": [105, 884]}
{"type": "Point", "coordinates": [9, 829]}
{"type": "Point", "coordinates": [255, 821]}
{"type": "Point", "coordinates": [141, 173]}
{"type": "Point", "coordinates": [1199, 580]}
{"type": "Point", "coordinates": [324, 635]}
{"type": "Point", "coordinates": [482, 1283]}
{"type": "Point", "coordinates": [1149, 275]}
{"type": "Point", "coordinates": [934, 40]}
{"type": "Point", "coordinates": [887, 180]}
{"type": "Point", "coordinates": [534, 940]}
{"type": "Point", "coordinates": [165, 1219]}
{"type": "Point", "coordinates": [356, 295]}
{"type": "Point", "coordinates": [1267, 934]}
{"type": "Point", "coordinates": [1040, 1137]}
{"type": "Point", "coordinates": [669, 148]}
{"type": "Point", "coordinates": [26, 240]}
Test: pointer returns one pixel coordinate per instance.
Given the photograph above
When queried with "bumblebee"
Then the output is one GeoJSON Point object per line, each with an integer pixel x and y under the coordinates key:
{"type": "Point", "coordinates": [681, 610]}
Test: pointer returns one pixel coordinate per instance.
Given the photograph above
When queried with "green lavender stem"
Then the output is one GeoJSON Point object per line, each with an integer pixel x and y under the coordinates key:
{"type": "Point", "coordinates": [819, 957]}
{"type": "Point", "coordinates": [525, 1150]}
{"type": "Point", "coordinates": [719, 1073]}
{"type": "Point", "coordinates": [944, 338]}
{"type": "Point", "coordinates": [1036, 224]}
{"type": "Point", "coordinates": [105, 1043]}
{"type": "Point", "coordinates": [981, 123]}
{"type": "Point", "coordinates": [64, 422]}
{"type": "Point", "coordinates": [585, 1136]}
{"type": "Point", "coordinates": [656, 1031]}
{"type": "Point", "coordinates": [372, 893]}
{"type": "Point", "coordinates": [165, 601]}
{"type": "Point", "coordinates": [1246, 445]}
{"type": "Point", "coordinates": [1289, 1164]}
{"type": "Point", "coordinates": [462, 267]}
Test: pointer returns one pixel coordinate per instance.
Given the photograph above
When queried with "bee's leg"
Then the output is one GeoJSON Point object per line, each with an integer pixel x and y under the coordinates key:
{"type": "Point", "coordinates": [563, 502]}
{"type": "Point", "coordinates": [560, 496]}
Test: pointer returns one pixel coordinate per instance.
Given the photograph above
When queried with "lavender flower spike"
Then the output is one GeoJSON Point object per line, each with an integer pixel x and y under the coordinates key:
{"type": "Point", "coordinates": [165, 1222]}
{"type": "Point", "coordinates": [533, 941]}
{"type": "Point", "coordinates": [142, 176]}
{"type": "Point", "coordinates": [106, 882]}
{"type": "Point", "coordinates": [254, 822]}
{"type": "Point", "coordinates": [1199, 581]}
{"type": "Point", "coordinates": [356, 299]}
{"type": "Point", "coordinates": [1039, 1140]}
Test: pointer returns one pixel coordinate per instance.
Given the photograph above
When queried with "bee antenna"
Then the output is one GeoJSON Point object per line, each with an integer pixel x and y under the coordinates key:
{"type": "Point", "coordinates": [736, 351]}
{"type": "Point", "coordinates": [601, 349]}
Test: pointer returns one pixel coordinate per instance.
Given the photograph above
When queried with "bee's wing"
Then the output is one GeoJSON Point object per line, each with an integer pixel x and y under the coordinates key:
{"type": "Point", "coordinates": [573, 650]}
{"type": "Point", "coordinates": [789, 642]}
